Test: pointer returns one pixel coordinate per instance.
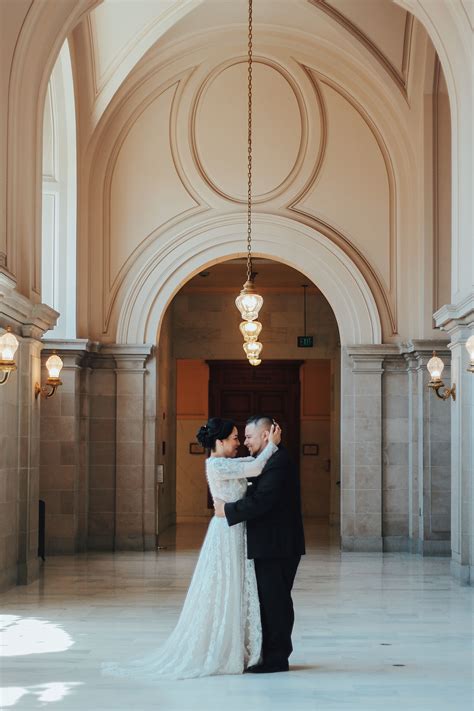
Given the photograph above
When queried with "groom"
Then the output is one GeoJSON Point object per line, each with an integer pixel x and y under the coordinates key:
{"type": "Point", "coordinates": [275, 540]}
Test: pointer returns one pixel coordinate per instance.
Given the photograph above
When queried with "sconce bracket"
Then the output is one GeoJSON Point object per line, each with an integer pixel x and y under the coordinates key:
{"type": "Point", "coordinates": [447, 392]}
{"type": "Point", "coordinates": [48, 389]}
{"type": "Point", "coordinates": [6, 367]}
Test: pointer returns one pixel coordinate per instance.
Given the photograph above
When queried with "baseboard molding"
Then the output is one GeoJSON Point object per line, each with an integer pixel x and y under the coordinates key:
{"type": "Point", "coordinates": [355, 544]}
{"type": "Point", "coordinates": [28, 572]}
{"type": "Point", "coordinates": [60, 546]}
{"type": "Point", "coordinates": [129, 543]}
{"type": "Point", "coordinates": [100, 543]}
{"type": "Point", "coordinates": [441, 549]}
{"type": "Point", "coordinates": [8, 578]}
{"type": "Point", "coordinates": [463, 573]}
{"type": "Point", "coordinates": [396, 544]}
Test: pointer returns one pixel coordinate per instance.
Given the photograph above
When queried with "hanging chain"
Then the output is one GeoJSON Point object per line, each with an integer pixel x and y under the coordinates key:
{"type": "Point", "coordinates": [249, 150]}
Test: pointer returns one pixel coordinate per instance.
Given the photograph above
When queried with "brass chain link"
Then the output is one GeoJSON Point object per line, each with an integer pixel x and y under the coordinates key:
{"type": "Point", "coordinates": [249, 149]}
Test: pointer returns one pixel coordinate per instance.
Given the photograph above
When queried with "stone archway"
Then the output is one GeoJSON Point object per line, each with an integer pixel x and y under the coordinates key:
{"type": "Point", "coordinates": [162, 274]}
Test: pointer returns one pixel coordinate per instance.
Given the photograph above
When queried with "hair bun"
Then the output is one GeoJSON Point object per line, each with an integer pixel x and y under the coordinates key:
{"type": "Point", "coordinates": [202, 436]}
{"type": "Point", "coordinates": [214, 429]}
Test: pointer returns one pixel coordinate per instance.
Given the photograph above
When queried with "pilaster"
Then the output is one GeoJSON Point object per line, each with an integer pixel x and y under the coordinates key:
{"type": "Point", "coordinates": [361, 447]}
{"type": "Point", "coordinates": [430, 453]}
{"type": "Point", "coordinates": [64, 434]}
{"type": "Point", "coordinates": [458, 321]}
{"type": "Point", "coordinates": [132, 460]}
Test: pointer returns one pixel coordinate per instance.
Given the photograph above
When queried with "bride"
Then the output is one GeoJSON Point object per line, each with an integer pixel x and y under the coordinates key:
{"type": "Point", "coordinates": [218, 631]}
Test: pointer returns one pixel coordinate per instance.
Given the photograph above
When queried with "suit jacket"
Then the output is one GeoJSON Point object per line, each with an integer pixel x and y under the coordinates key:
{"type": "Point", "coordinates": [272, 509]}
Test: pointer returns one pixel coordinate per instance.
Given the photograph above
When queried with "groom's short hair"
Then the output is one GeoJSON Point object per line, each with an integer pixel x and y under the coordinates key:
{"type": "Point", "coordinates": [261, 421]}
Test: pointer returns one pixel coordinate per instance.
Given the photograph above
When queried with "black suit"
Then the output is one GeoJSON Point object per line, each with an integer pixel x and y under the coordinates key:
{"type": "Point", "coordinates": [275, 540]}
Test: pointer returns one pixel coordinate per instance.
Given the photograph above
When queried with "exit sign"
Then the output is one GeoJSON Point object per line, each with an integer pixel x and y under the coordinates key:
{"type": "Point", "coordinates": [305, 341]}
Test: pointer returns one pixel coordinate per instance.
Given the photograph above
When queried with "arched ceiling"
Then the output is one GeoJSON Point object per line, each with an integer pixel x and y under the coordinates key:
{"type": "Point", "coordinates": [121, 33]}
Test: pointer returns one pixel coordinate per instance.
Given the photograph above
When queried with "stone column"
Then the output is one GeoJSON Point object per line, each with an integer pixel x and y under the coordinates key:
{"type": "Point", "coordinates": [361, 447]}
{"type": "Point", "coordinates": [458, 321]}
{"type": "Point", "coordinates": [63, 480]}
{"type": "Point", "coordinates": [29, 368]}
{"type": "Point", "coordinates": [102, 430]}
{"type": "Point", "coordinates": [19, 453]}
{"type": "Point", "coordinates": [413, 476]}
{"type": "Point", "coordinates": [131, 482]}
{"type": "Point", "coordinates": [395, 454]}
{"type": "Point", "coordinates": [430, 430]}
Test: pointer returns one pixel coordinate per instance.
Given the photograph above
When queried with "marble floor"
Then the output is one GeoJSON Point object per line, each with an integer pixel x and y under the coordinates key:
{"type": "Point", "coordinates": [373, 632]}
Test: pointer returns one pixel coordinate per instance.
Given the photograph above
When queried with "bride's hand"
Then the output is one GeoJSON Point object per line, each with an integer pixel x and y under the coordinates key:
{"type": "Point", "coordinates": [275, 434]}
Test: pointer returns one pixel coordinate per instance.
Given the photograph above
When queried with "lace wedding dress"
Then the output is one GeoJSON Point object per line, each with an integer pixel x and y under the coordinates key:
{"type": "Point", "coordinates": [218, 631]}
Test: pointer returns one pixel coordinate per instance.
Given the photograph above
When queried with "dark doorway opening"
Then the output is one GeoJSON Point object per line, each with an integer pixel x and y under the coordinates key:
{"type": "Point", "coordinates": [238, 390]}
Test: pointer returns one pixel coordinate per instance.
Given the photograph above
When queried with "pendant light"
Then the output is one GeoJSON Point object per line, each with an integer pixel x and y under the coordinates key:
{"type": "Point", "coordinates": [249, 302]}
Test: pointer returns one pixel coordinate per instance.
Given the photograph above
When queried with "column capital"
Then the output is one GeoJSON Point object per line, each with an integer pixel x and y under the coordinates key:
{"type": "Point", "coordinates": [452, 317]}
{"type": "Point", "coordinates": [129, 356]}
{"type": "Point", "coordinates": [73, 351]}
{"type": "Point", "coordinates": [369, 358]}
{"type": "Point", "coordinates": [419, 352]}
{"type": "Point", "coordinates": [25, 318]}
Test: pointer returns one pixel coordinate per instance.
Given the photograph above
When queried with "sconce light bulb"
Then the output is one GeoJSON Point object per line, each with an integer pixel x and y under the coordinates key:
{"type": "Point", "coordinates": [435, 367]}
{"type": "Point", "coordinates": [470, 348]}
{"type": "Point", "coordinates": [8, 346]}
{"type": "Point", "coordinates": [54, 365]}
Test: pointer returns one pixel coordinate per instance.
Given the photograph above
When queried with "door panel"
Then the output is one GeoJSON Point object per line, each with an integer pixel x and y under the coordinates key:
{"type": "Point", "coordinates": [238, 390]}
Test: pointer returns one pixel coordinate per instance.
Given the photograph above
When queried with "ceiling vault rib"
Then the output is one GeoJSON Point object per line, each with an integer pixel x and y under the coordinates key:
{"type": "Point", "coordinates": [399, 77]}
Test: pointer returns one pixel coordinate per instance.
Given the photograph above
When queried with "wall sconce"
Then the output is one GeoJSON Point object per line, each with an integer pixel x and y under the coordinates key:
{"type": "Point", "coordinates": [8, 345]}
{"type": "Point", "coordinates": [54, 365]}
{"type": "Point", "coordinates": [470, 350]}
{"type": "Point", "coordinates": [436, 366]}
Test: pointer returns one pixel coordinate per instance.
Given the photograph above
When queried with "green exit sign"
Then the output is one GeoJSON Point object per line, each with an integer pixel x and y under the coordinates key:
{"type": "Point", "coordinates": [305, 341]}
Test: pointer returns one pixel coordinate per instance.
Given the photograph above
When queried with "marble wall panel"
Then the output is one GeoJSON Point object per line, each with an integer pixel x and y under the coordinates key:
{"type": "Point", "coordinates": [63, 483]}
{"type": "Point", "coordinates": [9, 480]}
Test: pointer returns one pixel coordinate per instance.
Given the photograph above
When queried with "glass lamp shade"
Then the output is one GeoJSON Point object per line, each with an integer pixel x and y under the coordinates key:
{"type": "Point", "coordinates": [8, 346]}
{"type": "Point", "coordinates": [470, 348]}
{"type": "Point", "coordinates": [249, 302]}
{"type": "Point", "coordinates": [252, 349]}
{"type": "Point", "coordinates": [254, 361]}
{"type": "Point", "coordinates": [435, 366]}
{"type": "Point", "coordinates": [250, 330]}
{"type": "Point", "coordinates": [54, 365]}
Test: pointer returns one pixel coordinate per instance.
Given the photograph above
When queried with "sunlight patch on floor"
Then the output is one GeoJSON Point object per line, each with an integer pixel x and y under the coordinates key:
{"type": "Point", "coordinates": [44, 693]}
{"type": "Point", "coordinates": [29, 635]}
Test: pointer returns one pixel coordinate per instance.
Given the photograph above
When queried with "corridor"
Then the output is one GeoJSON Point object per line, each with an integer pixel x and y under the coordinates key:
{"type": "Point", "coordinates": [372, 632]}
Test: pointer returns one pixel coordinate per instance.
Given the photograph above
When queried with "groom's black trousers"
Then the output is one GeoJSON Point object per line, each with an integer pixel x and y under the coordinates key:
{"type": "Point", "coordinates": [275, 577]}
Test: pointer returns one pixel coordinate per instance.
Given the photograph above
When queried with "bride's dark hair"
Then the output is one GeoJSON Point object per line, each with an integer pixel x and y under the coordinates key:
{"type": "Point", "coordinates": [216, 428]}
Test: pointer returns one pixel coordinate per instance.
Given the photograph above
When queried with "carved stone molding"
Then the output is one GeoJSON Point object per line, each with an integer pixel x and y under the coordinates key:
{"type": "Point", "coordinates": [298, 161]}
{"type": "Point", "coordinates": [389, 291]}
{"type": "Point", "coordinates": [400, 77]}
{"type": "Point", "coordinates": [24, 317]}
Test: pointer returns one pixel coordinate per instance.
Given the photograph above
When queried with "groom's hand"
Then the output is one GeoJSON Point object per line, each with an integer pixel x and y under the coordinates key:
{"type": "Point", "coordinates": [219, 508]}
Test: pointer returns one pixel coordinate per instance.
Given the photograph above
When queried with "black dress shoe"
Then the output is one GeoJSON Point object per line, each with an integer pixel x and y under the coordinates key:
{"type": "Point", "coordinates": [267, 668]}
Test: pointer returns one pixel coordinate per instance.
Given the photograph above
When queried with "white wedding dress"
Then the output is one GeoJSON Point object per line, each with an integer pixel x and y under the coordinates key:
{"type": "Point", "coordinates": [219, 630]}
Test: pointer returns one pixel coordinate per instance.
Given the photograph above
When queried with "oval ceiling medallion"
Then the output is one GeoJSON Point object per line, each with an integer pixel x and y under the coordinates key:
{"type": "Point", "coordinates": [219, 130]}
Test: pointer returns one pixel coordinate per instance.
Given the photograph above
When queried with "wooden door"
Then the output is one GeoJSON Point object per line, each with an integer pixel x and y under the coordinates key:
{"type": "Point", "coordinates": [237, 390]}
